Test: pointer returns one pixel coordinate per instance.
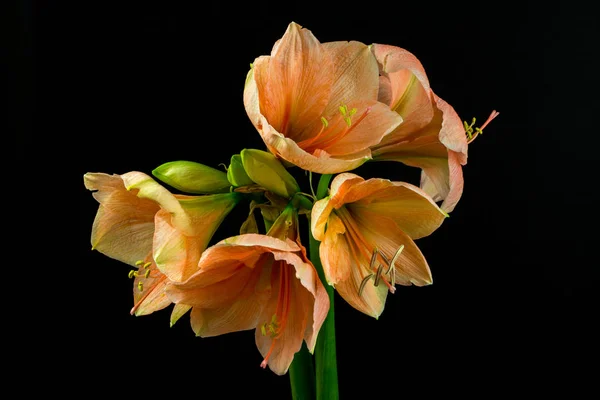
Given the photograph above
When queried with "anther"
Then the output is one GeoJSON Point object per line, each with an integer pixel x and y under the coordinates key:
{"type": "Point", "coordinates": [140, 286]}
{"type": "Point", "coordinates": [147, 273]}
{"type": "Point", "coordinates": [132, 273]}
{"type": "Point", "coordinates": [139, 262]}
{"type": "Point", "coordinates": [147, 264]}
{"type": "Point", "coordinates": [395, 258]}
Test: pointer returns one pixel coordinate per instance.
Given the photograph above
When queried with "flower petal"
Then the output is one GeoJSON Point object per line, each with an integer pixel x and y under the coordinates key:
{"type": "Point", "coordinates": [452, 133]}
{"type": "Point", "coordinates": [356, 74]}
{"type": "Point", "coordinates": [334, 252]}
{"type": "Point", "coordinates": [413, 211]}
{"type": "Point", "coordinates": [445, 182]}
{"type": "Point", "coordinates": [319, 217]}
{"type": "Point", "coordinates": [294, 83]}
{"type": "Point", "coordinates": [179, 310]}
{"type": "Point", "coordinates": [392, 59]}
{"type": "Point", "coordinates": [152, 297]}
{"type": "Point", "coordinates": [309, 279]}
{"type": "Point", "coordinates": [124, 224]}
{"type": "Point", "coordinates": [371, 300]}
{"type": "Point", "coordinates": [289, 341]}
{"type": "Point", "coordinates": [242, 314]}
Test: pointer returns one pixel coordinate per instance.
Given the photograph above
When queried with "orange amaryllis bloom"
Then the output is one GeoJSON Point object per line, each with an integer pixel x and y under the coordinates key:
{"type": "Point", "coordinates": [315, 105]}
{"type": "Point", "coordinates": [162, 235]}
{"type": "Point", "coordinates": [432, 136]}
{"type": "Point", "coordinates": [259, 282]}
{"type": "Point", "coordinates": [366, 229]}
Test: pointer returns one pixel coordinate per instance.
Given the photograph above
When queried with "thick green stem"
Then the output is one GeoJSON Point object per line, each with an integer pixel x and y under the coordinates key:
{"type": "Point", "coordinates": [325, 350]}
{"type": "Point", "coordinates": [302, 375]}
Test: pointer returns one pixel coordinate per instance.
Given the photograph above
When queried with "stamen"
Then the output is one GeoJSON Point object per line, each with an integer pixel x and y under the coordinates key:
{"type": "Point", "coordinates": [147, 274]}
{"type": "Point", "coordinates": [139, 262]}
{"type": "Point", "coordinates": [378, 275]}
{"type": "Point", "coordinates": [140, 286]}
{"type": "Point", "coordinates": [373, 258]}
{"type": "Point", "coordinates": [325, 122]}
{"type": "Point", "coordinates": [478, 131]}
{"type": "Point", "coordinates": [395, 258]}
{"type": "Point", "coordinates": [363, 284]}
{"type": "Point", "coordinates": [147, 265]}
{"type": "Point", "coordinates": [132, 273]}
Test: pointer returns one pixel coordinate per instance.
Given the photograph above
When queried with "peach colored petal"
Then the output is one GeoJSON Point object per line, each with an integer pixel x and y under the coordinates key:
{"type": "Point", "coordinates": [309, 279]}
{"type": "Point", "coordinates": [295, 82]}
{"type": "Point", "coordinates": [179, 310]}
{"type": "Point", "coordinates": [124, 224]}
{"type": "Point", "coordinates": [214, 288]}
{"type": "Point", "coordinates": [288, 343]}
{"type": "Point", "coordinates": [414, 103]}
{"type": "Point", "coordinates": [334, 252]}
{"type": "Point", "coordinates": [355, 76]}
{"type": "Point", "coordinates": [452, 133]}
{"type": "Point", "coordinates": [445, 182]}
{"type": "Point", "coordinates": [392, 59]}
{"type": "Point", "coordinates": [386, 236]}
{"type": "Point", "coordinates": [319, 216]}
{"type": "Point", "coordinates": [242, 314]}
{"type": "Point", "coordinates": [371, 301]}
{"type": "Point", "coordinates": [412, 210]}
{"type": "Point", "coordinates": [385, 94]}
{"type": "Point", "coordinates": [152, 297]}
{"type": "Point", "coordinates": [253, 239]}
{"type": "Point", "coordinates": [342, 182]}
{"type": "Point", "coordinates": [175, 254]}
{"type": "Point", "coordinates": [320, 162]}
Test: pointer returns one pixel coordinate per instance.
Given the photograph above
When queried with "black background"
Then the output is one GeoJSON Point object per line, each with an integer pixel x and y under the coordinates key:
{"type": "Point", "coordinates": [114, 86]}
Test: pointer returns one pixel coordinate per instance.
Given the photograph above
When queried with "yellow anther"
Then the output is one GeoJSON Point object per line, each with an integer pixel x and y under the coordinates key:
{"type": "Point", "coordinates": [263, 329]}
{"type": "Point", "coordinates": [140, 286]}
{"type": "Point", "coordinates": [343, 110]}
{"type": "Point", "coordinates": [353, 111]}
{"type": "Point", "coordinates": [147, 264]}
{"type": "Point", "coordinates": [325, 122]}
{"type": "Point", "coordinates": [373, 258]}
{"type": "Point", "coordinates": [348, 121]}
{"type": "Point", "coordinates": [147, 273]}
{"type": "Point", "coordinates": [139, 262]}
{"type": "Point", "coordinates": [132, 273]}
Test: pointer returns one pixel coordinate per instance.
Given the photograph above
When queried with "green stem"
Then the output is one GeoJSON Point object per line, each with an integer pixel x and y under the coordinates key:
{"type": "Point", "coordinates": [325, 350]}
{"type": "Point", "coordinates": [302, 375]}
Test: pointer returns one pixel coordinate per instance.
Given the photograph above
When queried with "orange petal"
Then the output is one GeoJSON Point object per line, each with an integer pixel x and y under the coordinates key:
{"type": "Point", "coordinates": [409, 207]}
{"type": "Point", "coordinates": [124, 224]}
{"type": "Point", "coordinates": [242, 314]}
{"type": "Point", "coordinates": [355, 75]}
{"type": "Point", "coordinates": [309, 279]}
{"type": "Point", "coordinates": [179, 310]}
{"type": "Point", "coordinates": [452, 133]}
{"type": "Point", "coordinates": [175, 254]}
{"type": "Point", "coordinates": [334, 252]}
{"type": "Point", "coordinates": [319, 217]}
{"type": "Point", "coordinates": [371, 301]}
{"type": "Point", "coordinates": [289, 342]}
{"type": "Point", "coordinates": [444, 182]}
{"type": "Point", "coordinates": [392, 59]}
{"type": "Point", "coordinates": [294, 83]}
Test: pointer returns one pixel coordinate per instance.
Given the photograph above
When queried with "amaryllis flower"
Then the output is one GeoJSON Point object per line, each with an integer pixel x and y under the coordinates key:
{"type": "Point", "coordinates": [140, 223]}
{"type": "Point", "coordinates": [366, 229]}
{"type": "Point", "coordinates": [432, 136]}
{"type": "Point", "coordinates": [315, 105]}
{"type": "Point", "coordinates": [260, 282]}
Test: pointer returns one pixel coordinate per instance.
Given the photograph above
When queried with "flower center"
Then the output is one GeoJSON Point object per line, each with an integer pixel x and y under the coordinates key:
{"type": "Point", "coordinates": [276, 326]}
{"type": "Point", "coordinates": [362, 249]}
{"type": "Point", "coordinates": [334, 129]}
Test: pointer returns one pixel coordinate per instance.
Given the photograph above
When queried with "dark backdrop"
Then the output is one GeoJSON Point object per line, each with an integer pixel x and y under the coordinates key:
{"type": "Point", "coordinates": [115, 86]}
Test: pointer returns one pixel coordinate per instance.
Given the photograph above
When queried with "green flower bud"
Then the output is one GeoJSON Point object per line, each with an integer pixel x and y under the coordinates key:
{"type": "Point", "coordinates": [192, 177]}
{"type": "Point", "coordinates": [267, 171]}
{"type": "Point", "coordinates": [236, 174]}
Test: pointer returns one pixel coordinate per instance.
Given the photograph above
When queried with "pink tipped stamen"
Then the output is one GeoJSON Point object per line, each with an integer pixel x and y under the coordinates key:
{"type": "Point", "coordinates": [493, 115]}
